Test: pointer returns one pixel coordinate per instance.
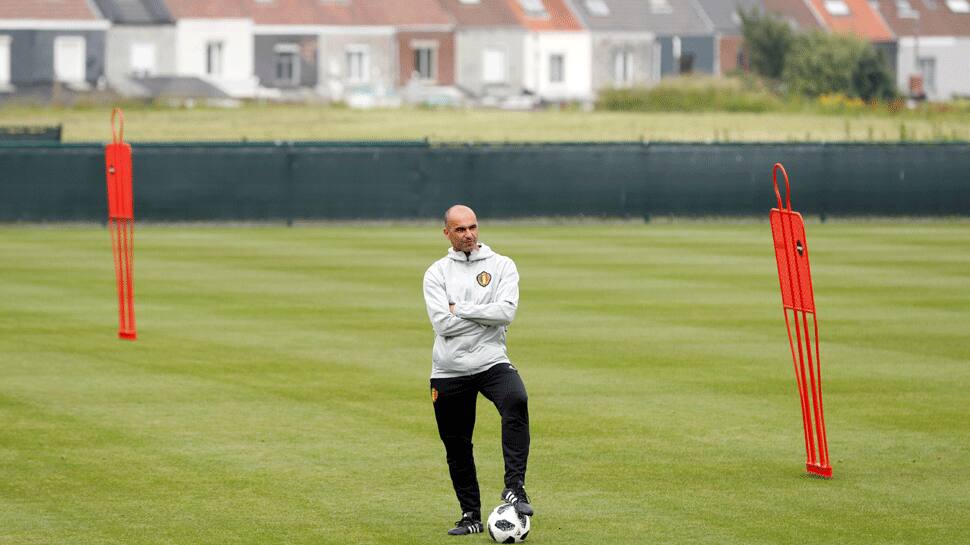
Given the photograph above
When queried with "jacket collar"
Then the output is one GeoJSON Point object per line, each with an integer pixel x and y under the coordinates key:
{"type": "Point", "coordinates": [483, 252]}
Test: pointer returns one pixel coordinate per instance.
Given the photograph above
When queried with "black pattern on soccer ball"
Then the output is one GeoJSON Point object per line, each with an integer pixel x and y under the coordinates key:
{"type": "Point", "coordinates": [504, 525]}
{"type": "Point", "coordinates": [503, 508]}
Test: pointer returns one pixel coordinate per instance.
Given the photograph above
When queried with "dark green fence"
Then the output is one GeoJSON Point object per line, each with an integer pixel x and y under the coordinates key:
{"type": "Point", "coordinates": [270, 181]}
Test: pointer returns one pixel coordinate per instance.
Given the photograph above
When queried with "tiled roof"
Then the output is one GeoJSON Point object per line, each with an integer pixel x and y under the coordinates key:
{"type": "Point", "coordinates": [628, 15]}
{"type": "Point", "coordinates": [208, 9]}
{"type": "Point", "coordinates": [348, 12]}
{"type": "Point", "coordinates": [135, 12]}
{"type": "Point", "coordinates": [664, 18]}
{"type": "Point", "coordinates": [304, 12]}
{"type": "Point", "coordinates": [555, 15]}
{"type": "Point", "coordinates": [935, 19]}
{"type": "Point", "coordinates": [405, 12]}
{"type": "Point", "coordinates": [73, 10]}
{"type": "Point", "coordinates": [862, 20]}
{"type": "Point", "coordinates": [480, 13]}
{"type": "Point", "coordinates": [794, 11]}
{"type": "Point", "coordinates": [724, 13]}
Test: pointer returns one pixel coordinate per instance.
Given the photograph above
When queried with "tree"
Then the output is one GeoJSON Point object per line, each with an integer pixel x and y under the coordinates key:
{"type": "Point", "coordinates": [767, 42]}
{"type": "Point", "coordinates": [821, 63]}
{"type": "Point", "coordinates": [871, 79]}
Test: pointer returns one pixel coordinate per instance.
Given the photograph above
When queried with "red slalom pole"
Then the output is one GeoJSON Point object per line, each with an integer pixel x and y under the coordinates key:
{"type": "Point", "coordinates": [121, 223]}
{"type": "Point", "coordinates": [798, 303]}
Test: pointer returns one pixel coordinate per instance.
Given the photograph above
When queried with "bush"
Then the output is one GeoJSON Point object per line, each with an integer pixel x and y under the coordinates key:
{"type": "Point", "coordinates": [691, 94]}
{"type": "Point", "coordinates": [871, 79]}
{"type": "Point", "coordinates": [821, 64]}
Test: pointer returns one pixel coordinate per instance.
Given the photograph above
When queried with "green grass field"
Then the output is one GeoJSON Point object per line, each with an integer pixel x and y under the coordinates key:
{"type": "Point", "coordinates": [278, 391]}
{"type": "Point", "coordinates": [283, 122]}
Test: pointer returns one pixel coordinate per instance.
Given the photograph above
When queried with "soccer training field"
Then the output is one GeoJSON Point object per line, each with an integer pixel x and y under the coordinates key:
{"type": "Point", "coordinates": [278, 391]}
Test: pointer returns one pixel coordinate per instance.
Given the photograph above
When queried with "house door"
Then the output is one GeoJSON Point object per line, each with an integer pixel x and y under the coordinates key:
{"type": "Point", "coordinates": [69, 59]}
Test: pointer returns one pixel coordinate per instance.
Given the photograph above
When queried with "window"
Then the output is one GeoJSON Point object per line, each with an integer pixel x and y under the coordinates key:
{"type": "Point", "coordinates": [4, 61]}
{"type": "Point", "coordinates": [837, 7]}
{"type": "Point", "coordinates": [426, 63]}
{"type": "Point", "coordinates": [142, 59]}
{"type": "Point", "coordinates": [927, 68]}
{"type": "Point", "coordinates": [598, 8]}
{"type": "Point", "coordinates": [69, 59]}
{"type": "Point", "coordinates": [493, 66]}
{"type": "Point", "coordinates": [660, 6]}
{"type": "Point", "coordinates": [904, 10]}
{"type": "Point", "coordinates": [533, 8]}
{"type": "Point", "coordinates": [287, 58]}
{"type": "Point", "coordinates": [557, 68]}
{"type": "Point", "coordinates": [958, 6]}
{"type": "Point", "coordinates": [213, 58]}
{"type": "Point", "coordinates": [358, 63]}
{"type": "Point", "coordinates": [623, 68]}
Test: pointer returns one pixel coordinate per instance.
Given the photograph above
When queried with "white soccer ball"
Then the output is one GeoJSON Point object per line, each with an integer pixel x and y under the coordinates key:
{"type": "Point", "coordinates": [507, 526]}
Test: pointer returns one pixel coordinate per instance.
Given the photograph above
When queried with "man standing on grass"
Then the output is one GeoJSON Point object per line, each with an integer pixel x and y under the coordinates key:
{"type": "Point", "coordinates": [471, 295]}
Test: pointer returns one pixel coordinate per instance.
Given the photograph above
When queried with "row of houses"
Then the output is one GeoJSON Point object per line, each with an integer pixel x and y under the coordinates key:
{"type": "Point", "coordinates": [373, 52]}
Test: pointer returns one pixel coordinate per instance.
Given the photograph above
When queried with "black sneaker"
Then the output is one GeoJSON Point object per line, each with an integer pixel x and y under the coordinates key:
{"type": "Point", "coordinates": [518, 499]}
{"type": "Point", "coordinates": [469, 524]}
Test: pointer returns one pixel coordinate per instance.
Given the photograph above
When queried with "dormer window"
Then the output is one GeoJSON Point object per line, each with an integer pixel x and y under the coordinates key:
{"type": "Point", "coordinates": [837, 7]}
{"type": "Point", "coordinates": [958, 6]}
{"type": "Point", "coordinates": [904, 10]}
{"type": "Point", "coordinates": [533, 8]}
{"type": "Point", "coordinates": [598, 8]}
{"type": "Point", "coordinates": [661, 6]}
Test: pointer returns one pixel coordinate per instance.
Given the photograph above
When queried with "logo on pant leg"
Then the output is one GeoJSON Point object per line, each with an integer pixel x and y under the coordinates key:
{"type": "Point", "coordinates": [483, 278]}
{"type": "Point", "coordinates": [434, 395]}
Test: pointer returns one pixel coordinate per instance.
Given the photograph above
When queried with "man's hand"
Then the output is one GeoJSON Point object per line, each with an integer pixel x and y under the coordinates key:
{"type": "Point", "coordinates": [451, 308]}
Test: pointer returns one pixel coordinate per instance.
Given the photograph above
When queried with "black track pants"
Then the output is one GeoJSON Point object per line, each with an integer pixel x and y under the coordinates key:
{"type": "Point", "coordinates": [454, 409]}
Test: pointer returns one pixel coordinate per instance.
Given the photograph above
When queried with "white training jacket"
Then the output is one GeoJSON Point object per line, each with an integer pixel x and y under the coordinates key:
{"type": "Point", "coordinates": [484, 287]}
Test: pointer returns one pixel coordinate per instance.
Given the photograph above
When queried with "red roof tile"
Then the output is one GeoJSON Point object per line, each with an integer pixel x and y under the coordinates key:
{"type": "Point", "coordinates": [933, 21]}
{"type": "Point", "coordinates": [481, 13]}
{"type": "Point", "coordinates": [862, 20]}
{"type": "Point", "coordinates": [349, 12]}
{"type": "Point", "coordinates": [208, 9]}
{"type": "Point", "coordinates": [557, 16]}
{"type": "Point", "coordinates": [74, 10]}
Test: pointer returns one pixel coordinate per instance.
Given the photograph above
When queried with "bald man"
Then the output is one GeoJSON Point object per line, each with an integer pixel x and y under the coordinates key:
{"type": "Point", "coordinates": [471, 295]}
